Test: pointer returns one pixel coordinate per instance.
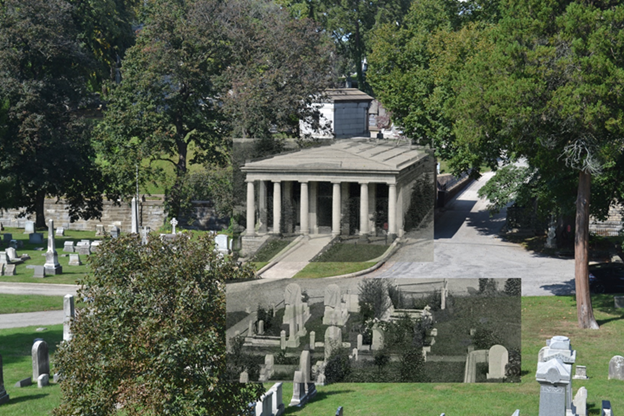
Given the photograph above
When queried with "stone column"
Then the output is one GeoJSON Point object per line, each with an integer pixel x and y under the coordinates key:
{"type": "Point", "coordinates": [288, 207]}
{"type": "Point", "coordinates": [399, 211]}
{"type": "Point", "coordinates": [392, 220]}
{"type": "Point", "coordinates": [262, 206]}
{"type": "Point", "coordinates": [304, 211]}
{"type": "Point", "coordinates": [277, 207]}
{"type": "Point", "coordinates": [363, 209]}
{"type": "Point", "coordinates": [344, 210]}
{"type": "Point", "coordinates": [313, 207]}
{"type": "Point", "coordinates": [250, 209]}
{"type": "Point", "coordinates": [336, 203]}
{"type": "Point", "coordinates": [372, 206]}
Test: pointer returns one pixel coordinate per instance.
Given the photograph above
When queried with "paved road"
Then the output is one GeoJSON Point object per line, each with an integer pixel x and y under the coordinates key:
{"type": "Point", "coordinates": [467, 245]}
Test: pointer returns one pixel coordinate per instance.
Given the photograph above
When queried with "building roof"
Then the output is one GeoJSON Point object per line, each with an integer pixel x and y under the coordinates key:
{"type": "Point", "coordinates": [347, 94]}
{"type": "Point", "coordinates": [345, 156]}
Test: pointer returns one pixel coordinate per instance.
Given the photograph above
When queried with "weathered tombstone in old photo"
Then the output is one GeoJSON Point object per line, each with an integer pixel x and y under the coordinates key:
{"type": "Point", "coordinates": [616, 368]}
{"type": "Point", "coordinates": [299, 396]}
{"type": "Point", "coordinates": [333, 340]}
{"type": "Point", "coordinates": [40, 359]}
{"type": "Point", "coordinates": [4, 396]}
{"type": "Point", "coordinates": [68, 315]}
{"type": "Point", "coordinates": [52, 265]}
{"type": "Point", "coordinates": [498, 358]}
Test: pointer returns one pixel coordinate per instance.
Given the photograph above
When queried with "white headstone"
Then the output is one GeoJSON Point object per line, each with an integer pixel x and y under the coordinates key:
{"type": "Point", "coordinates": [60, 232]}
{"type": "Point", "coordinates": [554, 377]}
{"type": "Point", "coordinates": [277, 406]}
{"type": "Point", "coordinates": [39, 271]}
{"type": "Point", "coordinates": [43, 380]}
{"type": "Point", "coordinates": [68, 247]}
{"type": "Point", "coordinates": [616, 368]}
{"type": "Point", "coordinates": [40, 359]}
{"type": "Point", "coordinates": [173, 223]}
{"type": "Point", "coordinates": [74, 260]}
{"type": "Point", "coordinates": [69, 313]}
{"type": "Point", "coordinates": [9, 269]}
{"type": "Point", "coordinates": [29, 227]}
{"type": "Point", "coordinates": [52, 265]}
{"type": "Point", "coordinates": [11, 253]}
{"type": "Point", "coordinates": [221, 243]}
{"type": "Point", "coordinates": [304, 366]}
{"type": "Point", "coordinates": [580, 402]}
{"type": "Point", "coordinates": [333, 340]}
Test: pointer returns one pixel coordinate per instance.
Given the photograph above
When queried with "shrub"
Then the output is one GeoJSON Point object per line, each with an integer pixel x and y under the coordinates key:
{"type": "Point", "coordinates": [338, 366]}
{"type": "Point", "coordinates": [513, 287]}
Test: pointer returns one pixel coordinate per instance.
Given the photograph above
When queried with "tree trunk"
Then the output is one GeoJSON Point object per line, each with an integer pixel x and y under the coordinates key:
{"type": "Point", "coordinates": [40, 221]}
{"type": "Point", "coordinates": [581, 242]}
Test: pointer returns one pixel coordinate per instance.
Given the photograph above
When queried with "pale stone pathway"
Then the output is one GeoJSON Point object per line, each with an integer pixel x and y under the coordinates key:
{"type": "Point", "coordinates": [298, 258]}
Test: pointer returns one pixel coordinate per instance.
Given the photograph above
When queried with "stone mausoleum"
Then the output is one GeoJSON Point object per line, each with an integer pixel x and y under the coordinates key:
{"type": "Point", "coordinates": [351, 187]}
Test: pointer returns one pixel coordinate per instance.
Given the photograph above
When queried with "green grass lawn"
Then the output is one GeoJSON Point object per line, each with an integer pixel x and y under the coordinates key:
{"type": "Point", "coordinates": [542, 318]}
{"type": "Point", "coordinates": [37, 257]}
{"type": "Point", "coordinates": [29, 303]}
{"type": "Point", "coordinates": [342, 258]}
{"type": "Point", "coordinates": [15, 348]}
{"type": "Point", "coordinates": [315, 270]}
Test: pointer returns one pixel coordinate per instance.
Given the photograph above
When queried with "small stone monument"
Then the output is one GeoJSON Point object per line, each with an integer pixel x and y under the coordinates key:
{"type": "Point", "coordinates": [9, 270]}
{"type": "Point", "coordinates": [69, 313]}
{"type": "Point", "coordinates": [35, 238]}
{"type": "Point", "coordinates": [99, 230]}
{"type": "Point", "coordinates": [43, 380]}
{"type": "Point", "coordinates": [4, 257]}
{"type": "Point", "coordinates": [616, 368]}
{"type": "Point", "coordinates": [52, 265]}
{"type": "Point", "coordinates": [134, 229]}
{"type": "Point", "coordinates": [6, 238]}
{"type": "Point", "coordinates": [581, 373]}
{"type": "Point", "coordinates": [60, 232]}
{"type": "Point", "coordinates": [333, 340]}
{"type": "Point", "coordinates": [4, 397]}
{"type": "Point", "coordinates": [40, 359]}
{"type": "Point", "coordinates": [580, 402]}
{"type": "Point", "coordinates": [378, 338]}
{"type": "Point", "coordinates": [29, 227]}
{"type": "Point", "coordinates": [39, 271]}
{"type": "Point", "coordinates": [114, 231]}
{"type": "Point", "coordinates": [244, 377]}
{"type": "Point", "coordinates": [221, 243]}
{"type": "Point", "coordinates": [68, 247]}
{"type": "Point", "coordinates": [278, 405]}
{"type": "Point", "coordinates": [299, 396]}
{"type": "Point", "coordinates": [173, 223]}
{"type": "Point", "coordinates": [74, 260]}
{"type": "Point", "coordinates": [144, 231]}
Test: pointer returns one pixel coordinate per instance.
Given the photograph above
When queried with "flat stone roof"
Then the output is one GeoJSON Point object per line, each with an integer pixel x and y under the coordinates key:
{"type": "Point", "coordinates": [347, 94]}
{"type": "Point", "coordinates": [344, 156]}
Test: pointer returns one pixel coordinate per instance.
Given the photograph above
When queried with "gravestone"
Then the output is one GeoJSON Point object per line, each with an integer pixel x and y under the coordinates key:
{"type": "Point", "coordinates": [339, 410]}
{"type": "Point", "coordinates": [83, 247]}
{"type": "Point", "coordinates": [40, 359]}
{"type": "Point", "coordinates": [4, 258]}
{"type": "Point", "coordinates": [269, 363]}
{"type": "Point", "coordinates": [354, 354]}
{"type": "Point", "coordinates": [4, 396]}
{"type": "Point", "coordinates": [554, 378]}
{"type": "Point", "coordinates": [260, 327]}
{"type": "Point", "coordinates": [68, 247]}
{"type": "Point", "coordinates": [134, 228]}
{"type": "Point", "coordinates": [95, 245]}
{"type": "Point", "coordinates": [296, 314]}
{"type": "Point", "coordinates": [312, 340]}
{"type": "Point", "coordinates": [618, 301]}
{"type": "Point", "coordinates": [498, 358]}
{"type": "Point", "coordinates": [263, 406]}
{"type": "Point", "coordinates": [299, 396]}
{"type": "Point", "coordinates": [9, 270]}
{"type": "Point", "coordinates": [304, 366]}
{"type": "Point", "coordinates": [35, 238]}
{"type": "Point", "coordinates": [580, 402]}
{"type": "Point", "coordinates": [606, 408]}
{"type": "Point", "coordinates": [29, 227]}
{"type": "Point", "coordinates": [335, 311]}
{"type": "Point", "coordinates": [144, 231]}
{"type": "Point", "coordinates": [74, 260]}
{"type": "Point", "coordinates": [616, 368]}
{"type": "Point", "coordinates": [114, 231]}
{"type": "Point", "coordinates": [39, 271]}
{"type": "Point", "coordinates": [60, 232]}
{"type": "Point", "coordinates": [43, 380]}
{"type": "Point", "coordinates": [581, 373]}
{"type": "Point", "coordinates": [277, 406]}
{"type": "Point", "coordinates": [333, 340]}
{"type": "Point", "coordinates": [99, 230]}
{"type": "Point", "coordinates": [69, 313]}
{"type": "Point", "coordinates": [378, 338]}
{"type": "Point", "coordinates": [444, 294]}
{"type": "Point", "coordinates": [11, 254]}
{"type": "Point", "coordinates": [360, 341]}
{"type": "Point", "coordinates": [52, 266]}
{"type": "Point", "coordinates": [283, 339]}
{"type": "Point", "coordinates": [6, 238]}
{"type": "Point", "coordinates": [24, 382]}
{"type": "Point", "coordinates": [244, 377]}
{"type": "Point", "coordinates": [2, 268]}
{"type": "Point", "coordinates": [173, 223]}
{"type": "Point", "coordinates": [221, 243]}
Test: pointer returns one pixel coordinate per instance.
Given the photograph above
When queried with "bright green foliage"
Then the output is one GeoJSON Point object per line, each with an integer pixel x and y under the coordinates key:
{"type": "Point", "coordinates": [150, 335]}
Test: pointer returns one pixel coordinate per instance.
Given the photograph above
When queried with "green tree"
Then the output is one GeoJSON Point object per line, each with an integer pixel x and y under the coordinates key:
{"type": "Point", "coordinates": [150, 335]}
{"type": "Point", "coordinates": [44, 143]}
{"type": "Point", "coordinates": [548, 91]}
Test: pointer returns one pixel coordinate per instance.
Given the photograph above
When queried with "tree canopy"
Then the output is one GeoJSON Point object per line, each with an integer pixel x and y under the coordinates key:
{"type": "Point", "coordinates": [149, 336]}
{"type": "Point", "coordinates": [44, 138]}
{"type": "Point", "coordinates": [542, 83]}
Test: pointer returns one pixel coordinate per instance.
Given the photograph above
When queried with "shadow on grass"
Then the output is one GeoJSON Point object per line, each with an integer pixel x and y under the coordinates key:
{"type": "Point", "coordinates": [15, 346]}
{"type": "Point", "coordinates": [319, 396]}
{"type": "Point", "coordinates": [604, 303]}
{"type": "Point", "coordinates": [27, 398]}
{"type": "Point", "coordinates": [592, 409]}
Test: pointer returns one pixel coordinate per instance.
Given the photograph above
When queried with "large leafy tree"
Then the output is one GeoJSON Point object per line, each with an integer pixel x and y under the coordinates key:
{"type": "Point", "coordinates": [44, 146]}
{"type": "Point", "coordinates": [543, 83]}
{"type": "Point", "coordinates": [201, 70]}
{"type": "Point", "coordinates": [150, 335]}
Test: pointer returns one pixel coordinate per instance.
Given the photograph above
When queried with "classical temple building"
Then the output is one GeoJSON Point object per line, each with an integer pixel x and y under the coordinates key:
{"type": "Point", "coordinates": [351, 187]}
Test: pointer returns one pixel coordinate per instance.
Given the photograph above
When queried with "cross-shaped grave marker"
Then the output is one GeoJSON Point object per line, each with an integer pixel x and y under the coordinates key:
{"type": "Point", "coordinates": [173, 223]}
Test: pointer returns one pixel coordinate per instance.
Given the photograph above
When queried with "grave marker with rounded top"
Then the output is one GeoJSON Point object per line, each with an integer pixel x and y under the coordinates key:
{"type": "Point", "coordinates": [616, 368]}
{"type": "Point", "coordinates": [40, 359]}
{"type": "Point", "coordinates": [69, 313]}
{"type": "Point", "coordinates": [498, 358]}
